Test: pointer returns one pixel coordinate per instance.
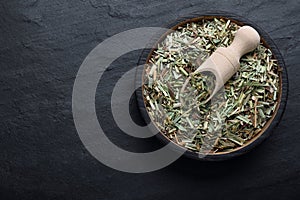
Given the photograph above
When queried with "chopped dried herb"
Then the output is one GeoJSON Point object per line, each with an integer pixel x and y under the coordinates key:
{"type": "Point", "coordinates": [174, 95]}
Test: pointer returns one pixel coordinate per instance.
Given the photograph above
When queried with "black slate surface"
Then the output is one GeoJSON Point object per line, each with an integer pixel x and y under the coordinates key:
{"type": "Point", "coordinates": [42, 45]}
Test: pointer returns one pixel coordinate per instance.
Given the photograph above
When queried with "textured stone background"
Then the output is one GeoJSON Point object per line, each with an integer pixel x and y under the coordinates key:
{"type": "Point", "coordinates": [43, 43]}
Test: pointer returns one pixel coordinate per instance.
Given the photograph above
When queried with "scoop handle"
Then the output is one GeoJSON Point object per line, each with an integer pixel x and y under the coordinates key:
{"type": "Point", "coordinates": [246, 40]}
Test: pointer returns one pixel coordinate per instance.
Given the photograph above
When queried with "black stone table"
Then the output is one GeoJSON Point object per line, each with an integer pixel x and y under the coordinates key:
{"type": "Point", "coordinates": [42, 45]}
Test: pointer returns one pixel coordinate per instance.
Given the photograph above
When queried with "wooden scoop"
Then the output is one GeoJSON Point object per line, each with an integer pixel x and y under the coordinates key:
{"type": "Point", "coordinates": [224, 62]}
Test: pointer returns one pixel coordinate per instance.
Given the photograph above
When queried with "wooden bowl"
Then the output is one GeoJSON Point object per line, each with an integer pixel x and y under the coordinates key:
{"type": "Point", "coordinates": [269, 126]}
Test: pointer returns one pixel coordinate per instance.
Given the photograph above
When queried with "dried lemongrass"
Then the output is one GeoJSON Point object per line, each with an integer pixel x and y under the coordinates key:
{"type": "Point", "coordinates": [248, 102]}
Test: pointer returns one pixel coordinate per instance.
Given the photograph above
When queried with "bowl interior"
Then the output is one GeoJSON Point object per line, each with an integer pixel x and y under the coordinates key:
{"type": "Point", "coordinates": [266, 126]}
